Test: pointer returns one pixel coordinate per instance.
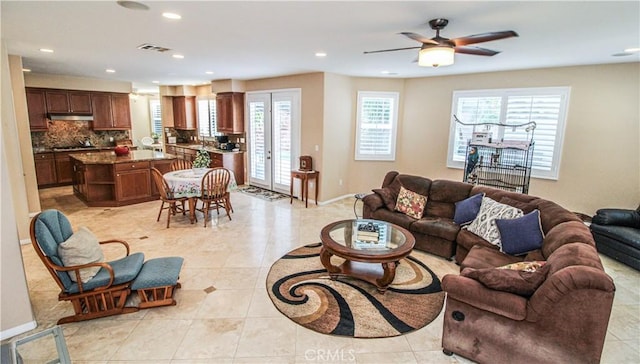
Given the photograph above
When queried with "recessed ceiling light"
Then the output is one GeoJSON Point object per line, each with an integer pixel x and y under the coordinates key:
{"type": "Point", "coordinates": [172, 16]}
{"type": "Point", "coordinates": [209, 72]}
{"type": "Point", "coordinates": [155, 81]}
{"type": "Point", "coordinates": [179, 56]}
{"type": "Point", "coordinates": [26, 70]}
{"type": "Point", "coordinates": [321, 54]}
{"type": "Point", "coordinates": [46, 50]}
{"type": "Point", "coordinates": [389, 73]}
{"type": "Point", "coordinates": [133, 5]}
{"type": "Point", "coordinates": [632, 50]}
{"type": "Point", "coordinates": [109, 70]}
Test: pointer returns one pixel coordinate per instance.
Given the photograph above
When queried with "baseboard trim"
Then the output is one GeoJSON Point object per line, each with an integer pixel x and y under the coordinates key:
{"type": "Point", "coordinates": [6, 334]}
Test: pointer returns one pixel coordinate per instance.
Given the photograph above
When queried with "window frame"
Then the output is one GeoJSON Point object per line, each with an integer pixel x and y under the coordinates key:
{"type": "Point", "coordinates": [212, 123]}
{"type": "Point", "coordinates": [563, 91]}
{"type": "Point", "coordinates": [395, 97]}
{"type": "Point", "coordinates": [152, 120]}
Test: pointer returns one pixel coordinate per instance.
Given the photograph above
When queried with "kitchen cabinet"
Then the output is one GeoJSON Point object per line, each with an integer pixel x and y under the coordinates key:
{"type": "Point", "coordinates": [230, 112]}
{"type": "Point", "coordinates": [111, 111]}
{"type": "Point", "coordinates": [232, 161]}
{"type": "Point", "coordinates": [37, 109]}
{"type": "Point", "coordinates": [184, 112]}
{"type": "Point", "coordinates": [45, 164]}
{"type": "Point", "coordinates": [64, 168]}
{"type": "Point", "coordinates": [68, 101]}
{"type": "Point", "coordinates": [132, 181]}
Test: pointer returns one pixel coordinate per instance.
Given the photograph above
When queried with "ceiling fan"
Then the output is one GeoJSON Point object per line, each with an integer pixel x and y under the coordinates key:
{"type": "Point", "coordinates": [438, 51]}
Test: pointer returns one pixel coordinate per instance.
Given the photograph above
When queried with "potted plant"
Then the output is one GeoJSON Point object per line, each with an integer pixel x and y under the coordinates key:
{"type": "Point", "coordinates": [155, 137]}
{"type": "Point", "coordinates": [201, 163]}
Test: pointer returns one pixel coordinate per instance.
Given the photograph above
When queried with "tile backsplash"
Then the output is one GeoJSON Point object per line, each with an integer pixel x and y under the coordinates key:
{"type": "Point", "coordinates": [73, 133]}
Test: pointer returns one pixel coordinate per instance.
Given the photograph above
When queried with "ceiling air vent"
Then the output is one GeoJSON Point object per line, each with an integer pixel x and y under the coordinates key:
{"type": "Point", "coordinates": [151, 47]}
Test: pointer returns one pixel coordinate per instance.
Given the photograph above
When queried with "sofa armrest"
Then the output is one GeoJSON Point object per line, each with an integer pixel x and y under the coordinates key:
{"type": "Point", "coordinates": [620, 217]}
{"type": "Point", "coordinates": [474, 293]}
{"type": "Point", "coordinates": [373, 201]}
{"type": "Point", "coordinates": [563, 284]}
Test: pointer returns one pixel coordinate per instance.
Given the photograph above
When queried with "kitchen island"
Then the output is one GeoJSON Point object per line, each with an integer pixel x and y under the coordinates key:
{"type": "Point", "coordinates": [104, 179]}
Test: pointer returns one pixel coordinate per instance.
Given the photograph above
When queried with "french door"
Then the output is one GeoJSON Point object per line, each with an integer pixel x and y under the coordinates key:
{"type": "Point", "coordinates": [274, 137]}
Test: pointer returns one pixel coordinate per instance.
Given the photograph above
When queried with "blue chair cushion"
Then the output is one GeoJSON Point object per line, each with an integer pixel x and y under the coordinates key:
{"type": "Point", "coordinates": [51, 229]}
{"type": "Point", "coordinates": [124, 269]}
{"type": "Point", "coordinates": [159, 272]}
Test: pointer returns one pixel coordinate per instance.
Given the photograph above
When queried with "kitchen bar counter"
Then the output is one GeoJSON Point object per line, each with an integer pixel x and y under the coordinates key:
{"type": "Point", "coordinates": [112, 158]}
{"type": "Point", "coordinates": [104, 179]}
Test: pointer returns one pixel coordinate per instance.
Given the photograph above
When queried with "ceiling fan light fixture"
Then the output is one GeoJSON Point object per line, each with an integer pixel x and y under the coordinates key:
{"type": "Point", "coordinates": [436, 56]}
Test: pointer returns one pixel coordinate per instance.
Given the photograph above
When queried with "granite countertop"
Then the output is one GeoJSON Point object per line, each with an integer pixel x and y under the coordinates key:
{"type": "Point", "coordinates": [112, 158]}
{"type": "Point", "coordinates": [37, 150]}
{"type": "Point", "coordinates": [208, 148]}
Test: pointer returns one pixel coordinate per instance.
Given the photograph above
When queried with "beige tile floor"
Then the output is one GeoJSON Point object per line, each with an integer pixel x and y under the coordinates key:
{"type": "Point", "coordinates": [223, 313]}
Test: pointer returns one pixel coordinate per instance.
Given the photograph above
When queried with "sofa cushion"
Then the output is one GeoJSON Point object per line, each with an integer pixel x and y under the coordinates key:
{"type": "Point", "coordinates": [521, 235]}
{"type": "Point", "coordinates": [622, 234]}
{"type": "Point", "coordinates": [619, 217]}
{"type": "Point", "coordinates": [81, 248]}
{"type": "Point", "coordinates": [484, 224]}
{"type": "Point", "coordinates": [526, 207]}
{"type": "Point", "coordinates": [486, 257]}
{"type": "Point", "coordinates": [411, 203]}
{"type": "Point", "coordinates": [467, 209]}
{"type": "Point", "coordinates": [443, 195]}
{"type": "Point", "coordinates": [393, 217]}
{"type": "Point", "coordinates": [436, 226]}
{"type": "Point", "coordinates": [520, 282]}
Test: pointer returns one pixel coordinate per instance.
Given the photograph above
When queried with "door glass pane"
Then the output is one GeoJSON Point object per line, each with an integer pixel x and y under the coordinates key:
{"type": "Point", "coordinates": [282, 142]}
{"type": "Point", "coordinates": [258, 146]}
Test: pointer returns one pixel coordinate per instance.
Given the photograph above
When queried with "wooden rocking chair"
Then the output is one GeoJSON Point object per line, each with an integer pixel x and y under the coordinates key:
{"type": "Point", "coordinates": [103, 295]}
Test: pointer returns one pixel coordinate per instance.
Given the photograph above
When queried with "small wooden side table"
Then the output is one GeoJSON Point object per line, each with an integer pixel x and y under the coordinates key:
{"type": "Point", "coordinates": [304, 177]}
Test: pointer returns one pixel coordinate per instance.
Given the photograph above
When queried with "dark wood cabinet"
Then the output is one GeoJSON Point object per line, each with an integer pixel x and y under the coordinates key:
{"type": "Point", "coordinates": [231, 161]}
{"type": "Point", "coordinates": [133, 181]}
{"type": "Point", "coordinates": [65, 101]}
{"type": "Point", "coordinates": [37, 109]}
{"type": "Point", "coordinates": [184, 112]}
{"type": "Point", "coordinates": [230, 112]}
{"type": "Point", "coordinates": [110, 111]}
{"type": "Point", "coordinates": [64, 167]}
{"type": "Point", "coordinates": [45, 164]}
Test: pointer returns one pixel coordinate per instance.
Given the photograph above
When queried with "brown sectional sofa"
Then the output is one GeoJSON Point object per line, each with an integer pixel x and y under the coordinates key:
{"type": "Point", "coordinates": [564, 320]}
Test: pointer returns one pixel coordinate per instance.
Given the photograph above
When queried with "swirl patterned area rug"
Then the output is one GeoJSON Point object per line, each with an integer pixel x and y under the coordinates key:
{"type": "Point", "coordinates": [301, 289]}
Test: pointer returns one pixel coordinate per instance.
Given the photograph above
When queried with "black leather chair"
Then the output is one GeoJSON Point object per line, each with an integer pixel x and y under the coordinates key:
{"type": "Point", "coordinates": [617, 235]}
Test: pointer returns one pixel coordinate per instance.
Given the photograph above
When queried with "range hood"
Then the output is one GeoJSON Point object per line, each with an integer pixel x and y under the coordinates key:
{"type": "Point", "coordinates": [70, 116]}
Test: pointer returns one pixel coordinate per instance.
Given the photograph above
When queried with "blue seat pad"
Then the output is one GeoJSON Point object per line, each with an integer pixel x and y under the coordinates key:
{"type": "Point", "coordinates": [158, 272]}
{"type": "Point", "coordinates": [124, 269]}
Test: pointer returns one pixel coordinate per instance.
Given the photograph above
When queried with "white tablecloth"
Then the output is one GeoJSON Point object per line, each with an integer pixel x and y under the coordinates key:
{"type": "Point", "coordinates": [187, 182]}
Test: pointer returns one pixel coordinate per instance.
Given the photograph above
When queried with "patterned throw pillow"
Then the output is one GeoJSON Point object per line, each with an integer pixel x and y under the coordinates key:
{"type": "Point", "coordinates": [411, 203]}
{"type": "Point", "coordinates": [484, 225]}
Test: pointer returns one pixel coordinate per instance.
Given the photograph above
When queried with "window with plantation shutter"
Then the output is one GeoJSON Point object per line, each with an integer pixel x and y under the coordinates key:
{"type": "Point", "coordinates": [207, 117]}
{"type": "Point", "coordinates": [377, 119]}
{"type": "Point", "coordinates": [156, 116]}
{"type": "Point", "coordinates": [547, 107]}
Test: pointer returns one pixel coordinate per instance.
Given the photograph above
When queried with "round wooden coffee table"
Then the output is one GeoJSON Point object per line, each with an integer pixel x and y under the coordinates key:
{"type": "Point", "coordinates": [373, 262]}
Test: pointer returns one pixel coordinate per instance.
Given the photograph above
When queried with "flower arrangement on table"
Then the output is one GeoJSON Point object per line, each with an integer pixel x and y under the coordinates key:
{"type": "Point", "coordinates": [155, 137]}
{"type": "Point", "coordinates": [202, 160]}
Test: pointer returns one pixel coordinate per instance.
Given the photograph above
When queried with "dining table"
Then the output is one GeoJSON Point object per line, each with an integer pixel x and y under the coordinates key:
{"type": "Point", "coordinates": [188, 183]}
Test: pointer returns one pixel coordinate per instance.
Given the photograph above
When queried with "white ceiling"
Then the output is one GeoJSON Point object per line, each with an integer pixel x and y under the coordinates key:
{"type": "Point", "coordinates": [248, 40]}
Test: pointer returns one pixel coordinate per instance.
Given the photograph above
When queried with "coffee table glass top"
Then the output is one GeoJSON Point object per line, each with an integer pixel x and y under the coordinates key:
{"type": "Point", "coordinates": [367, 236]}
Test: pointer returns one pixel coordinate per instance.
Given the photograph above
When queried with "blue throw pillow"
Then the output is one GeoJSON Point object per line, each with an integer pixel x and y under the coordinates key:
{"type": "Point", "coordinates": [521, 235]}
{"type": "Point", "coordinates": [467, 209]}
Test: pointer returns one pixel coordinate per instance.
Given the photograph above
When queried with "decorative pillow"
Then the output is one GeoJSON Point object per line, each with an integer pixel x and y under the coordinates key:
{"type": "Point", "coordinates": [522, 235]}
{"type": "Point", "coordinates": [484, 225]}
{"type": "Point", "coordinates": [388, 196]}
{"type": "Point", "coordinates": [411, 203]}
{"type": "Point", "coordinates": [520, 282]}
{"type": "Point", "coordinates": [530, 266]}
{"type": "Point", "coordinates": [467, 209]}
{"type": "Point", "coordinates": [81, 248]}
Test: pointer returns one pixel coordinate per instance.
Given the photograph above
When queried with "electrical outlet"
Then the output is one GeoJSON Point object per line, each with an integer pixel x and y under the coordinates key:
{"type": "Point", "coordinates": [317, 147]}
{"type": "Point", "coordinates": [340, 182]}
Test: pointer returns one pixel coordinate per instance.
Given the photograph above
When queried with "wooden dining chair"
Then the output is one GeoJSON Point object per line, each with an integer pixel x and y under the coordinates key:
{"type": "Point", "coordinates": [178, 164]}
{"type": "Point", "coordinates": [166, 195]}
{"type": "Point", "coordinates": [214, 192]}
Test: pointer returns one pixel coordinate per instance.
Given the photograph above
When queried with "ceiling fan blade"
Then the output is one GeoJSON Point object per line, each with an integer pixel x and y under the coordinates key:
{"type": "Point", "coordinates": [476, 51]}
{"type": "Point", "coordinates": [391, 50]}
{"type": "Point", "coordinates": [419, 38]}
{"type": "Point", "coordinates": [484, 37]}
